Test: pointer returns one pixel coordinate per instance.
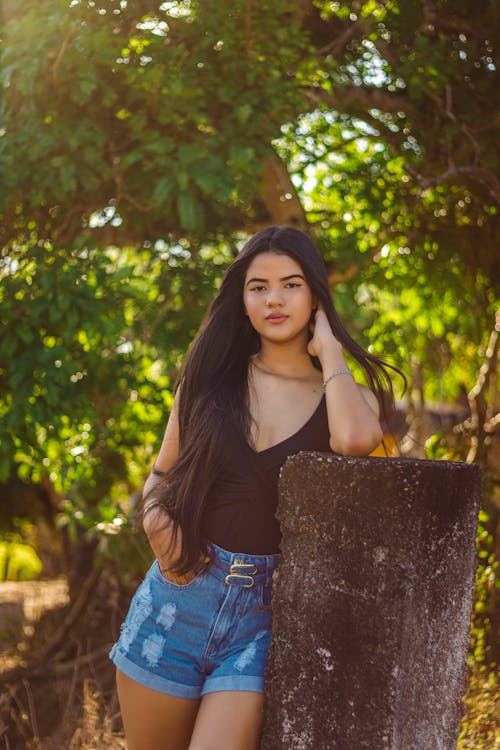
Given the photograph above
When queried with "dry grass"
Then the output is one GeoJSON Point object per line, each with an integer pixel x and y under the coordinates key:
{"type": "Point", "coordinates": [35, 597]}
{"type": "Point", "coordinates": [481, 724]}
{"type": "Point", "coordinates": [67, 702]}
{"type": "Point", "coordinates": [91, 730]}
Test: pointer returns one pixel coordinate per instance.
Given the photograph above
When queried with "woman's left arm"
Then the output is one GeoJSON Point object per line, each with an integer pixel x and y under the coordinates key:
{"type": "Point", "coordinates": [353, 410]}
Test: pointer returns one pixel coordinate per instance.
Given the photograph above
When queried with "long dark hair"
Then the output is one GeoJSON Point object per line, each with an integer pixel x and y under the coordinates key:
{"type": "Point", "coordinates": [214, 383]}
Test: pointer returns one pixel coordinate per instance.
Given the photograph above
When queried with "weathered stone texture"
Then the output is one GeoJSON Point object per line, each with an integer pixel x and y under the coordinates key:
{"type": "Point", "coordinates": [372, 604]}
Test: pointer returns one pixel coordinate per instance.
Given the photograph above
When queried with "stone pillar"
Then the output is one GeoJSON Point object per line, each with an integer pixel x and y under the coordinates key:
{"type": "Point", "coordinates": [372, 604]}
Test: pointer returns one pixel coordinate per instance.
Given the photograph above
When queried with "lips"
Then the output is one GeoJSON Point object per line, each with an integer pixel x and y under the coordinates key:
{"type": "Point", "coordinates": [276, 317]}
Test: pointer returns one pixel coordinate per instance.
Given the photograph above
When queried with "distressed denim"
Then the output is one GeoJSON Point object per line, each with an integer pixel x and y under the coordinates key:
{"type": "Point", "coordinates": [210, 634]}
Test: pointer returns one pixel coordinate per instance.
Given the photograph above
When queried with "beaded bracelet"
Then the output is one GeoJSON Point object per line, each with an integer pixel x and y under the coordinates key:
{"type": "Point", "coordinates": [334, 375]}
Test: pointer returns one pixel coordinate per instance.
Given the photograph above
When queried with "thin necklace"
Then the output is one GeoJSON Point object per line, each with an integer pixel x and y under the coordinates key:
{"type": "Point", "coordinates": [255, 361]}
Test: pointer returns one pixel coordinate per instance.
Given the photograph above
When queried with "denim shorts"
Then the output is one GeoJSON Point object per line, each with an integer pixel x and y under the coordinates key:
{"type": "Point", "coordinates": [210, 634]}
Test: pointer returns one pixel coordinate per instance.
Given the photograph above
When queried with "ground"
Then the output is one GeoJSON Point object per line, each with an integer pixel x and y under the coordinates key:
{"type": "Point", "coordinates": [61, 697]}
{"type": "Point", "coordinates": [66, 698]}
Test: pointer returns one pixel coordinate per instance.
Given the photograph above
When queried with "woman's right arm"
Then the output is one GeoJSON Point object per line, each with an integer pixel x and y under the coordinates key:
{"type": "Point", "coordinates": [168, 452]}
{"type": "Point", "coordinates": [156, 522]}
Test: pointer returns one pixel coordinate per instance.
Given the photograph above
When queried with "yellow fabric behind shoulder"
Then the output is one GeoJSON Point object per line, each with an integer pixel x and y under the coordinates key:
{"type": "Point", "coordinates": [390, 446]}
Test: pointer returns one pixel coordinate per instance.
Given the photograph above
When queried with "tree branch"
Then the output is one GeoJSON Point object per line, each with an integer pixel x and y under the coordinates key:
{"type": "Point", "coordinates": [248, 28]}
{"type": "Point", "coordinates": [477, 398]}
{"type": "Point", "coordinates": [280, 195]}
{"type": "Point", "coordinates": [432, 18]}
{"type": "Point", "coordinates": [356, 99]}
{"type": "Point", "coordinates": [337, 45]}
{"type": "Point", "coordinates": [446, 110]}
{"type": "Point", "coordinates": [55, 70]}
{"type": "Point", "coordinates": [479, 174]}
{"type": "Point", "coordinates": [86, 591]}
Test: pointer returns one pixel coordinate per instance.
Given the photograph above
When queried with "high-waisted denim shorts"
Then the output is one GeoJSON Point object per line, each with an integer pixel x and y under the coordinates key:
{"type": "Point", "coordinates": [210, 634]}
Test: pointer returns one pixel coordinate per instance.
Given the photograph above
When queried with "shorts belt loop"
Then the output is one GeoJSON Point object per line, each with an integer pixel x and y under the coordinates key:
{"type": "Point", "coordinates": [269, 574]}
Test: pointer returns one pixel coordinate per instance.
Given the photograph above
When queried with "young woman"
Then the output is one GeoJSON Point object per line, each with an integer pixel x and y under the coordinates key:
{"type": "Point", "coordinates": [264, 378]}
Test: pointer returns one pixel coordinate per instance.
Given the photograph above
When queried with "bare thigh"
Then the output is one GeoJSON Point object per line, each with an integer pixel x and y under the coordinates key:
{"type": "Point", "coordinates": [228, 720]}
{"type": "Point", "coordinates": [153, 720]}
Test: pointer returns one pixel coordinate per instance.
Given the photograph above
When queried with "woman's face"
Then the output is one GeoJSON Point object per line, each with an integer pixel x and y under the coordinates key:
{"type": "Point", "coordinates": [277, 298]}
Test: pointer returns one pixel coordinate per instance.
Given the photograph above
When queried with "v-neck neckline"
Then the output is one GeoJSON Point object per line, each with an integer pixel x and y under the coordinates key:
{"type": "Point", "coordinates": [290, 437]}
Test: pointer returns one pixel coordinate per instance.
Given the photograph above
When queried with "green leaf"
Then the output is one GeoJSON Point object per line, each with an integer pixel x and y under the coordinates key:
{"type": "Point", "coordinates": [190, 212]}
{"type": "Point", "coordinates": [182, 179]}
{"type": "Point", "coordinates": [207, 182]}
{"type": "Point", "coordinates": [164, 189]}
{"type": "Point", "coordinates": [243, 112]}
{"type": "Point", "coordinates": [25, 334]}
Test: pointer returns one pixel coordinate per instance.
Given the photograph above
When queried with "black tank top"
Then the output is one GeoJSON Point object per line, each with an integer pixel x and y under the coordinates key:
{"type": "Point", "coordinates": [240, 511]}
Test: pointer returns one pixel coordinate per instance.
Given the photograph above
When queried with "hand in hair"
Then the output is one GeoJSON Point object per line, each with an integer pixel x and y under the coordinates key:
{"type": "Point", "coordinates": [323, 338]}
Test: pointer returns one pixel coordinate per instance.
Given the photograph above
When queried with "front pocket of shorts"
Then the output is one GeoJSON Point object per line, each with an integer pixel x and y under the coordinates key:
{"type": "Point", "coordinates": [177, 586]}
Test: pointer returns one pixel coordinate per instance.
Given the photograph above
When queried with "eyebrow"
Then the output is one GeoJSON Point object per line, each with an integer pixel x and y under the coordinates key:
{"type": "Point", "coordinates": [283, 278]}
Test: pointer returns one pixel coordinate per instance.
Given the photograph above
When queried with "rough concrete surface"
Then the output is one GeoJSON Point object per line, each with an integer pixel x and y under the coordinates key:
{"type": "Point", "coordinates": [372, 604]}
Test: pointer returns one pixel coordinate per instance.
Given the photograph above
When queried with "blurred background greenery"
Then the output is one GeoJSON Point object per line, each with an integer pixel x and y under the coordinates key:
{"type": "Point", "coordinates": [141, 143]}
